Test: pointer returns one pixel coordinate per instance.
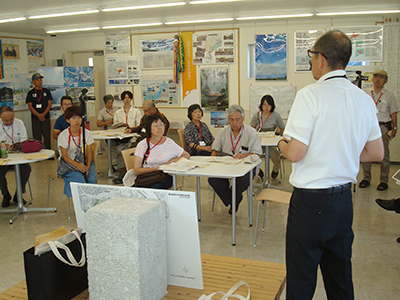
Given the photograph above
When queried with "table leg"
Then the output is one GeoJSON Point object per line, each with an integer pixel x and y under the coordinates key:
{"type": "Point", "coordinates": [174, 181]}
{"type": "Point", "coordinates": [110, 173]}
{"type": "Point", "coordinates": [233, 205]}
{"type": "Point", "coordinates": [251, 198]}
{"type": "Point", "coordinates": [198, 198]}
{"type": "Point", "coordinates": [20, 208]}
{"type": "Point", "coordinates": [267, 166]}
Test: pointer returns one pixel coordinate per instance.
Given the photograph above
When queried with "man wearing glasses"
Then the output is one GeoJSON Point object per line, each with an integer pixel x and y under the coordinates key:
{"type": "Point", "coordinates": [386, 110]}
{"type": "Point", "coordinates": [332, 126]}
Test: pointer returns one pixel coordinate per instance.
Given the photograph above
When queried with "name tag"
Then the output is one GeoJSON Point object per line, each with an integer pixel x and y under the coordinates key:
{"type": "Point", "coordinates": [202, 143]}
{"type": "Point", "coordinates": [38, 105]}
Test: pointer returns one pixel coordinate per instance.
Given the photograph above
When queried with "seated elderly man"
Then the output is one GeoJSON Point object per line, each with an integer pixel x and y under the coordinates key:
{"type": "Point", "coordinates": [239, 141]}
{"type": "Point", "coordinates": [12, 131]}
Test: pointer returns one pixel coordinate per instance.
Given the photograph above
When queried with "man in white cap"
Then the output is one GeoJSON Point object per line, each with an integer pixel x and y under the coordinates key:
{"type": "Point", "coordinates": [386, 110]}
{"type": "Point", "coordinates": [39, 102]}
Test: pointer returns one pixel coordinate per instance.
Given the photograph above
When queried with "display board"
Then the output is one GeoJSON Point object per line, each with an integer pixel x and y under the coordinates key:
{"type": "Point", "coordinates": [304, 40]}
{"type": "Point", "coordinates": [283, 97]}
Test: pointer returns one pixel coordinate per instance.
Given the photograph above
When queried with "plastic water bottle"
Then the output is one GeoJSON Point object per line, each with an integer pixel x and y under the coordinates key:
{"type": "Point", "coordinates": [3, 150]}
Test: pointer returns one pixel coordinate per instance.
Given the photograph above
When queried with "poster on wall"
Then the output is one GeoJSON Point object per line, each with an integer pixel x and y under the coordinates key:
{"type": "Point", "coordinates": [270, 56]}
{"type": "Point", "coordinates": [123, 70]}
{"type": "Point", "coordinates": [367, 43]}
{"type": "Point", "coordinates": [53, 79]}
{"type": "Point", "coordinates": [304, 40]}
{"type": "Point", "coordinates": [11, 64]}
{"type": "Point", "coordinates": [35, 52]}
{"type": "Point", "coordinates": [157, 54]}
{"type": "Point", "coordinates": [78, 77]}
{"type": "Point", "coordinates": [189, 75]}
{"type": "Point", "coordinates": [6, 94]}
{"type": "Point", "coordinates": [161, 89]}
{"type": "Point", "coordinates": [219, 119]}
{"type": "Point", "coordinates": [1, 62]}
{"type": "Point", "coordinates": [118, 42]}
{"type": "Point", "coordinates": [216, 47]}
{"type": "Point", "coordinates": [21, 84]}
{"type": "Point", "coordinates": [214, 88]}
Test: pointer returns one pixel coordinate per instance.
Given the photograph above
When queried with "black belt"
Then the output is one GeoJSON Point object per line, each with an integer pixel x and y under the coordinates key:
{"type": "Point", "coordinates": [332, 190]}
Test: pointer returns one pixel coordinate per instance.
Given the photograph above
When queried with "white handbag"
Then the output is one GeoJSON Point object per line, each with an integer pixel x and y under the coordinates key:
{"type": "Point", "coordinates": [230, 294]}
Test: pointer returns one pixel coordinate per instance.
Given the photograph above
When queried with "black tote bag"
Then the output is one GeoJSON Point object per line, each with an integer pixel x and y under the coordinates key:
{"type": "Point", "coordinates": [47, 278]}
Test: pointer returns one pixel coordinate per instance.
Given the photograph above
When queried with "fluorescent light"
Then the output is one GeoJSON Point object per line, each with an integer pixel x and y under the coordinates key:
{"type": "Point", "coordinates": [274, 17]}
{"type": "Point", "coordinates": [131, 25]}
{"type": "Point", "coordinates": [211, 1]}
{"type": "Point", "coordinates": [143, 6]}
{"type": "Point", "coordinates": [372, 12]}
{"type": "Point", "coordinates": [72, 13]}
{"type": "Point", "coordinates": [13, 20]}
{"type": "Point", "coordinates": [198, 21]}
{"type": "Point", "coordinates": [72, 30]}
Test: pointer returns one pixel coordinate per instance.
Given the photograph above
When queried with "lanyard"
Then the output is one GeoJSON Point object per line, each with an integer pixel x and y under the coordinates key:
{"type": "Point", "coordinates": [41, 93]}
{"type": "Point", "coordinates": [12, 134]}
{"type": "Point", "coordinates": [148, 152]}
{"type": "Point", "coordinates": [126, 115]}
{"type": "Point", "coordinates": [377, 101]}
{"type": "Point", "coordinates": [200, 132]}
{"type": "Point", "coordinates": [338, 76]}
{"type": "Point", "coordinates": [109, 113]}
{"type": "Point", "coordinates": [261, 125]}
{"type": "Point", "coordinates": [240, 136]}
{"type": "Point", "coordinates": [70, 136]}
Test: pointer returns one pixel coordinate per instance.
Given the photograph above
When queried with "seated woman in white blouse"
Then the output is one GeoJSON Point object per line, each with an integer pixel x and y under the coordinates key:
{"type": "Point", "coordinates": [156, 150]}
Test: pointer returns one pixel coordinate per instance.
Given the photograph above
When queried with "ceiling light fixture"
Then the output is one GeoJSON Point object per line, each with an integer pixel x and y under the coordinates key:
{"type": "Point", "coordinates": [72, 30]}
{"type": "Point", "coordinates": [198, 21]}
{"type": "Point", "coordinates": [12, 20]}
{"type": "Point", "coordinates": [143, 6]}
{"type": "Point", "coordinates": [274, 17]}
{"type": "Point", "coordinates": [72, 13]}
{"type": "Point", "coordinates": [211, 1]}
{"type": "Point", "coordinates": [131, 25]}
{"type": "Point", "coordinates": [372, 12]}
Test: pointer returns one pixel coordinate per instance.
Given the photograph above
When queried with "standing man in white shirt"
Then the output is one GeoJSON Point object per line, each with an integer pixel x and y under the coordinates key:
{"type": "Point", "coordinates": [386, 110]}
{"type": "Point", "coordinates": [12, 131]}
{"type": "Point", "coordinates": [332, 126]}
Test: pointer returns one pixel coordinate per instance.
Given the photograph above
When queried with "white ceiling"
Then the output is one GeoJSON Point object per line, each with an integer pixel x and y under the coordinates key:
{"type": "Point", "coordinates": [18, 8]}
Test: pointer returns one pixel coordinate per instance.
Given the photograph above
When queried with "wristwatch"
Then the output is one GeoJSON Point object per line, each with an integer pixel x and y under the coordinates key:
{"type": "Point", "coordinates": [395, 128]}
{"type": "Point", "coordinates": [277, 145]}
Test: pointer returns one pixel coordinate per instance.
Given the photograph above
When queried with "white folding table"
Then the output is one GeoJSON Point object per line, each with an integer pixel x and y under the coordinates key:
{"type": "Point", "coordinates": [267, 142]}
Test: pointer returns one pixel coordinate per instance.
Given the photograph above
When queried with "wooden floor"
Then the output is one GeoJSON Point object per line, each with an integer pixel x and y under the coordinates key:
{"type": "Point", "coordinates": [220, 273]}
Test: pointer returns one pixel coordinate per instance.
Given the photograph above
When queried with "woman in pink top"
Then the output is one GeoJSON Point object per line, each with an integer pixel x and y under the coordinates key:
{"type": "Point", "coordinates": [156, 150]}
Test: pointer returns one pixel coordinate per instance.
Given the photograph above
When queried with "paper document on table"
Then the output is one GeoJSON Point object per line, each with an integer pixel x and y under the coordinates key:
{"type": "Point", "coordinates": [251, 159]}
{"type": "Point", "coordinates": [182, 165]}
{"type": "Point", "coordinates": [3, 161]}
{"type": "Point", "coordinates": [268, 134]}
{"type": "Point", "coordinates": [36, 156]}
{"type": "Point", "coordinates": [222, 160]}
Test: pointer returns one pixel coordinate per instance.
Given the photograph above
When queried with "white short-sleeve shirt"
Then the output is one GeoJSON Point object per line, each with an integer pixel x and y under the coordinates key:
{"type": "Point", "coordinates": [70, 143]}
{"type": "Point", "coordinates": [132, 118]}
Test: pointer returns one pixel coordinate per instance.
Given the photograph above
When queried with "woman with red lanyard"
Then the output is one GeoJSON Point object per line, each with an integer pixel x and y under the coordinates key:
{"type": "Point", "coordinates": [156, 150]}
{"type": "Point", "coordinates": [267, 119]}
{"type": "Point", "coordinates": [198, 136]}
{"type": "Point", "coordinates": [106, 114]}
{"type": "Point", "coordinates": [70, 143]}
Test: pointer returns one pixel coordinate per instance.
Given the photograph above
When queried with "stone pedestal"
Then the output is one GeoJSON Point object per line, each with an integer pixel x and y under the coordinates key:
{"type": "Point", "coordinates": [127, 249]}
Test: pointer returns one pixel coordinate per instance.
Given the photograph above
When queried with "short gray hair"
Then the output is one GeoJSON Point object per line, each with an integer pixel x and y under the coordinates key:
{"type": "Point", "coordinates": [235, 108]}
{"type": "Point", "coordinates": [5, 108]}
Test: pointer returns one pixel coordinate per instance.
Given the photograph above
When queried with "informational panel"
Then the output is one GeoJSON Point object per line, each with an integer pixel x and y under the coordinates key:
{"type": "Point", "coordinates": [157, 54]}
{"type": "Point", "coordinates": [283, 98]}
{"type": "Point", "coordinates": [123, 70]}
{"type": "Point", "coordinates": [367, 42]}
{"type": "Point", "coordinates": [6, 94]}
{"type": "Point", "coordinates": [215, 47]}
{"type": "Point", "coordinates": [214, 88]}
{"type": "Point", "coordinates": [270, 56]}
{"type": "Point", "coordinates": [161, 89]}
{"type": "Point", "coordinates": [118, 42]}
{"type": "Point", "coordinates": [183, 243]}
{"type": "Point", "coordinates": [391, 62]}
{"type": "Point", "coordinates": [303, 41]}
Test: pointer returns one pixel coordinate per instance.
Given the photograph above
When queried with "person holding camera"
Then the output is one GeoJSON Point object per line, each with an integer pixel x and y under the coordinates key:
{"type": "Point", "coordinates": [386, 110]}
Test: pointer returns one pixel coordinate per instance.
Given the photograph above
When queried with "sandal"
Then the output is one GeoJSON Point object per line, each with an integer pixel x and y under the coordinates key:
{"type": "Point", "coordinates": [364, 183]}
{"type": "Point", "coordinates": [382, 186]}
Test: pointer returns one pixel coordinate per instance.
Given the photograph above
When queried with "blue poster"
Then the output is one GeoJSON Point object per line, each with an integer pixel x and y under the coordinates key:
{"type": "Point", "coordinates": [78, 77]}
{"type": "Point", "coordinates": [270, 56]}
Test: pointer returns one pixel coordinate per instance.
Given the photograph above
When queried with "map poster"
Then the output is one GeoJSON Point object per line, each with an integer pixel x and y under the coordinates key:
{"type": "Point", "coordinates": [161, 89]}
{"type": "Point", "coordinates": [270, 56]}
{"type": "Point", "coordinates": [78, 77]}
{"type": "Point", "coordinates": [214, 88]}
{"type": "Point", "coordinates": [118, 42]}
{"type": "Point", "coordinates": [123, 70]}
{"type": "Point", "coordinates": [157, 54]}
{"type": "Point", "coordinates": [304, 40]}
{"type": "Point", "coordinates": [216, 47]}
{"type": "Point", "coordinates": [367, 43]}
{"type": "Point", "coordinates": [21, 86]}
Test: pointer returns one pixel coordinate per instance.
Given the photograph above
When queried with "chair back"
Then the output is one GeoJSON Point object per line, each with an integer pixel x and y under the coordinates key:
{"type": "Point", "coordinates": [182, 140]}
{"type": "Point", "coordinates": [95, 147]}
{"type": "Point", "coordinates": [128, 158]}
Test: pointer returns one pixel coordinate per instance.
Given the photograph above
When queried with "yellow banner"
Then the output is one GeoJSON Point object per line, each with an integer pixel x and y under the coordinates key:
{"type": "Point", "coordinates": [189, 76]}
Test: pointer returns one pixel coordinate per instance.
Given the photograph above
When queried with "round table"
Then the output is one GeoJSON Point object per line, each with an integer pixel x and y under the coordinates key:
{"type": "Point", "coordinates": [17, 159]}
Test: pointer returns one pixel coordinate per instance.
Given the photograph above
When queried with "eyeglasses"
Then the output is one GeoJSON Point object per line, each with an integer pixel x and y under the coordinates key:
{"type": "Point", "coordinates": [310, 53]}
{"type": "Point", "coordinates": [158, 125]}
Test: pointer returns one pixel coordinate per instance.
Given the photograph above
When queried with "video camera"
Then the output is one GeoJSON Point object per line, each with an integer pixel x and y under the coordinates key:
{"type": "Point", "coordinates": [359, 79]}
